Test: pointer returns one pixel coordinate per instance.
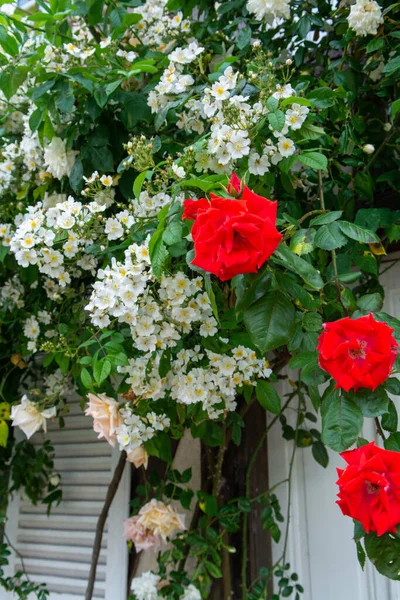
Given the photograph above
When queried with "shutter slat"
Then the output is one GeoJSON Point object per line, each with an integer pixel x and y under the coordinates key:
{"type": "Point", "coordinates": [70, 507]}
{"type": "Point", "coordinates": [70, 553]}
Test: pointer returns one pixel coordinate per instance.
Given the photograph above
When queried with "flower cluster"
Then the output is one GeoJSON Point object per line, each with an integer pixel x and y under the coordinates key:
{"type": "Point", "coordinates": [157, 28]}
{"type": "Point", "coordinates": [157, 318]}
{"type": "Point", "coordinates": [57, 385]}
{"type": "Point", "coordinates": [11, 293]}
{"type": "Point", "coordinates": [67, 226]}
{"type": "Point", "coordinates": [365, 17]}
{"type": "Point", "coordinates": [268, 10]}
{"type": "Point", "coordinates": [173, 80]}
{"type": "Point", "coordinates": [135, 430]}
{"type": "Point", "coordinates": [147, 585]}
{"type": "Point", "coordinates": [154, 524]}
{"type": "Point", "coordinates": [197, 376]}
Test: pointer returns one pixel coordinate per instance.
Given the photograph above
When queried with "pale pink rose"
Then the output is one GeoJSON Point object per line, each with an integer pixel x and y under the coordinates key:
{"type": "Point", "coordinates": [106, 416]}
{"type": "Point", "coordinates": [139, 457]}
{"type": "Point", "coordinates": [161, 519]}
{"type": "Point", "coordinates": [139, 535]}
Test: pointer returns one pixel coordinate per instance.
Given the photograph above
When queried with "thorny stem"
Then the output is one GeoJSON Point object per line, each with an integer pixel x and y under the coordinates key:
{"type": "Point", "coordinates": [248, 481]}
{"type": "Point", "coordinates": [290, 483]}
{"type": "Point", "coordinates": [379, 428]}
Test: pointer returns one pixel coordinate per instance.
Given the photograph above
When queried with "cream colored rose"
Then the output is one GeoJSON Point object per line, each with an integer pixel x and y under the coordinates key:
{"type": "Point", "coordinates": [29, 418]}
{"type": "Point", "coordinates": [161, 519]}
{"type": "Point", "coordinates": [139, 457]}
{"type": "Point", "coordinates": [106, 416]}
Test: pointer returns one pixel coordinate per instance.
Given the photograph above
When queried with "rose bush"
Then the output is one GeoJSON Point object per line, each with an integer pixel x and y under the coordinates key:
{"type": "Point", "coordinates": [197, 198]}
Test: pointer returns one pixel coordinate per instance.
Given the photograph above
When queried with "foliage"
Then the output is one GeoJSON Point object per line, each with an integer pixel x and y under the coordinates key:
{"type": "Point", "coordinates": [102, 137]}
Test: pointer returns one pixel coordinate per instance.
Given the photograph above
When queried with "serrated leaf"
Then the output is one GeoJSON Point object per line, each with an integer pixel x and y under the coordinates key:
{"type": "Point", "coordinates": [372, 404]}
{"type": "Point", "coordinates": [370, 302]}
{"type": "Point", "coordinates": [268, 397]}
{"type": "Point", "coordinates": [298, 265]}
{"type": "Point", "coordinates": [295, 100]}
{"type": "Point", "coordinates": [270, 321]}
{"type": "Point", "coordinates": [86, 379]}
{"type": "Point", "coordinates": [329, 237]}
{"type": "Point", "coordinates": [342, 421]}
{"type": "Point", "coordinates": [355, 232]}
{"type": "Point", "coordinates": [272, 104]}
{"type": "Point", "coordinates": [314, 160]}
{"type": "Point", "coordinates": [384, 553]}
{"type": "Point", "coordinates": [326, 218]}
{"type": "Point", "coordinates": [320, 453]}
{"type": "Point", "coordinates": [101, 370]}
{"type": "Point", "coordinates": [277, 120]}
{"type": "Point", "coordinates": [303, 241]}
{"type": "Point", "coordinates": [303, 359]}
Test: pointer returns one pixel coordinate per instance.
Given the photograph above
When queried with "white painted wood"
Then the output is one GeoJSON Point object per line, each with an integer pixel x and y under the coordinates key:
{"type": "Point", "coordinates": [57, 549]}
{"type": "Point", "coordinates": [320, 546]}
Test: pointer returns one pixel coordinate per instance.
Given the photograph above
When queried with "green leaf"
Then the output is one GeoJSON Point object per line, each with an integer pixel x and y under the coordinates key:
{"type": "Point", "coordinates": [303, 241]}
{"type": "Point", "coordinates": [158, 254]}
{"type": "Point", "coordinates": [10, 80]}
{"type": "Point", "coordinates": [211, 295]}
{"type": "Point", "coordinates": [395, 107]}
{"type": "Point", "coordinates": [329, 237]}
{"type": "Point", "coordinates": [314, 160]}
{"type": "Point", "coordinates": [209, 431]}
{"type": "Point", "coordinates": [370, 303]}
{"type": "Point", "coordinates": [272, 104]}
{"type": "Point", "coordinates": [392, 66]}
{"type": "Point", "coordinates": [173, 233]}
{"type": "Point", "coordinates": [139, 181]}
{"type": "Point", "coordinates": [101, 370]}
{"type": "Point", "coordinates": [293, 100]}
{"type": "Point", "coordinates": [8, 42]}
{"type": "Point", "coordinates": [3, 433]}
{"type": "Point", "coordinates": [308, 131]}
{"type": "Point", "coordinates": [243, 38]}
{"type": "Point", "coordinates": [160, 446]}
{"type": "Point", "coordinates": [277, 120]}
{"type": "Point", "coordinates": [390, 419]}
{"type": "Point", "coordinates": [322, 97]}
{"type": "Point", "coordinates": [268, 397]}
{"type": "Point", "coordinates": [298, 265]}
{"type": "Point", "coordinates": [355, 232]}
{"type": "Point", "coordinates": [76, 176]}
{"type": "Point", "coordinates": [392, 385]}
{"type": "Point", "coordinates": [312, 321]}
{"type": "Point", "coordinates": [303, 359]}
{"type": "Point", "coordinates": [342, 421]}
{"type": "Point", "coordinates": [372, 404]}
{"type": "Point", "coordinates": [393, 442]}
{"type": "Point", "coordinates": [361, 556]}
{"type": "Point", "coordinates": [384, 553]}
{"type": "Point", "coordinates": [36, 118]}
{"type": "Point", "coordinates": [270, 321]}
{"type": "Point", "coordinates": [86, 379]}
{"type": "Point", "coordinates": [42, 89]}
{"type": "Point", "coordinates": [101, 96]}
{"type": "Point", "coordinates": [375, 44]}
{"type": "Point", "coordinates": [320, 454]}
{"type": "Point", "coordinates": [364, 185]}
{"type": "Point", "coordinates": [326, 218]}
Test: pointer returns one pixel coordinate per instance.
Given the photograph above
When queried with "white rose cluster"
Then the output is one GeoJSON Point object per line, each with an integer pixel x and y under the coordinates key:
{"type": "Point", "coordinates": [146, 587]}
{"type": "Point", "coordinates": [158, 24]}
{"type": "Point", "coordinates": [157, 319]}
{"type": "Point", "coordinates": [268, 10]}
{"type": "Point", "coordinates": [11, 293]}
{"type": "Point", "coordinates": [136, 430]}
{"type": "Point", "coordinates": [365, 17]}
{"type": "Point", "coordinates": [173, 80]}
{"type": "Point", "coordinates": [58, 385]}
{"type": "Point", "coordinates": [70, 226]}
{"type": "Point", "coordinates": [197, 376]}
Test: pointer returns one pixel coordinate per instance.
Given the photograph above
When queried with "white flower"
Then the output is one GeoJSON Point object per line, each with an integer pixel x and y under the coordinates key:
{"type": "Point", "coordinates": [106, 180]}
{"type": "Point", "coordinates": [283, 91]}
{"type": "Point", "coordinates": [238, 145]}
{"type": "Point", "coordinates": [145, 586]}
{"type": "Point", "coordinates": [191, 593]}
{"type": "Point", "coordinates": [286, 147]}
{"type": "Point", "coordinates": [365, 17]}
{"type": "Point", "coordinates": [368, 149]}
{"type": "Point", "coordinates": [179, 171]}
{"type": "Point", "coordinates": [29, 418]}
{"type": "Point", "coordinates": [113, 229]}
{"type": "Point", "coordinates": [106, 42]}
{"type": "Point", "coordinates": [58, 161]}
{"type": "Point", "coordinates": [269, 9]}
{"type": "Point", "coordinates": [258, 165]}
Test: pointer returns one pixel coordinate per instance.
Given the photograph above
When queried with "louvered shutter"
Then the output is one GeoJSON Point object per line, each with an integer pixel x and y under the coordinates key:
{"type": "Point", "coordinates": [57, 550]}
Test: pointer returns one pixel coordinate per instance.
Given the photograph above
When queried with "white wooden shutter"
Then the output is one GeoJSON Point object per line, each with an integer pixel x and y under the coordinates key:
{"type": "Point", "coordinates": [320, 548]}
{"type": "Point", "coordinates": [57, 550]}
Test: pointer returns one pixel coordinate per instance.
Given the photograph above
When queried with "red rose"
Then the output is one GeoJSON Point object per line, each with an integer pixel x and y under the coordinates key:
{"type": "Point", "coordinates": [369, 488]}
{"type": "Point", "coordinates": [358, 353]}
{"type": "Point", "coordinates": [233, 236]}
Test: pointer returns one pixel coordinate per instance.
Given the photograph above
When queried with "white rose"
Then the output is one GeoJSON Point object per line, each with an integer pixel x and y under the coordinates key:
{"type": "Point", "coordinates": [369, 149]}
{"type": "Point", "coordinates": [28, 417]}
